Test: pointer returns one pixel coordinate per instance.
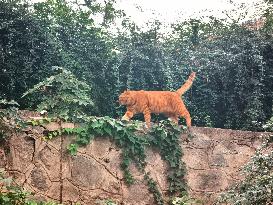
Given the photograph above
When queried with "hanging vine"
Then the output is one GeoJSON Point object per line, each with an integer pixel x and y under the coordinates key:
{"type": "Point", "coordinates": [133, 141]}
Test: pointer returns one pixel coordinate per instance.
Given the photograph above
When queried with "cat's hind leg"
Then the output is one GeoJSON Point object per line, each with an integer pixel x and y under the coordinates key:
{"type": "Point", "coordinates": [147, 117]}
{"type": "Point", "coordinates": [183, 112]}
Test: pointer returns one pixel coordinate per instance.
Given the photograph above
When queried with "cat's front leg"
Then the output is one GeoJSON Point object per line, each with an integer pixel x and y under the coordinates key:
{"type": "Point", "coordinates": [127, 116]}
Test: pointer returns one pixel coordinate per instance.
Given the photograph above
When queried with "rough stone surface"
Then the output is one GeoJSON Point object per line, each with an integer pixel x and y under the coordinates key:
{"type": "Point", "coordinates": [137, 194]}
{"type": "Point", "coordinates": [213, 159]}
{"type": "Point", "coordinates": [38, 179]}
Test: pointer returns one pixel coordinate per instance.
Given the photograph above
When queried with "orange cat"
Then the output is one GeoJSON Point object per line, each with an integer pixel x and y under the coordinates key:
{"type": "Point", "coordinates": [166, 102]}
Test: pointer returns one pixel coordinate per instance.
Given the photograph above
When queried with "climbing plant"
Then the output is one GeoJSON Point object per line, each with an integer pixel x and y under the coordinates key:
{"type": "Point", "coordinates": [9, 118]}
{"type": "Point", "coordinates": [133, 141]}
{"type": "Point", "coordinates": [165, 136]}
{"type": "Point", "coordinates": [257, 186]}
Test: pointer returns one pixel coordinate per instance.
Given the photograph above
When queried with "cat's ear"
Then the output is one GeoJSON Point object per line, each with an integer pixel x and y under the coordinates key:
{"type": "Point", "coordinates": [125, 92]}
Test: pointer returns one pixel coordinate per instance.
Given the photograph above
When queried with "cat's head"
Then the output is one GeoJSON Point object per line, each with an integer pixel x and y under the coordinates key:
{"type": "Point", "coordinates": [126, 98]}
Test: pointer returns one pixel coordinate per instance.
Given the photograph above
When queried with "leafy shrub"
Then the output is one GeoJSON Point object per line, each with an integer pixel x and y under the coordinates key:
{"type": "Point", "coordinates": [62, 95]}
{"type": "Point", "coordinates": [12, 194]}
{"type": "Point", "coordinates": [106, 202]}
{"type": "Point", "coordinates": [9, 118]}
{"type": "Point", "coordinates": [257, 187]}
{"type": "Point", "coordinates": [269, 125]}
{"type": "Point", "coordinates": [185, 200]}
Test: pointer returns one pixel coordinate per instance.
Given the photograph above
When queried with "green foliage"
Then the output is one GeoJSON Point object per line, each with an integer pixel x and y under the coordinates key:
{"type": "Point", "coordinates": [26, 50]}
{"type": "Point", "coordinates": [72, 149]}
{"type": "Point", "coordinates": [83, 47]}
{"type": "Point", "coordinates": [154, 189]}
{"type": "Point", "coordinates": [256, 188]}
{"type": "Point", "coordinates": [133, 142]}
{"type": "Point", "coordinates": [269, 125]}
{"type": "Point", "coordinates": [106, 202]}
{"type": "Point", "coordinates": [40, 121]}
{"type": "Point", "coordinates": [185, 200]}
{"type": "Point", "coordinates": [4, 102]}
{"type": "Point", "coordinates": [11, 193]}
{"type": "Point", "coordinates": [62, 95]}
{"type": "Point", "coordinates": [233, 63]}
{"type": "Point", "coordinates": [9, 118]}
{"type": "Point", "coordinates": [166, 137]}
{"type": "Point", "coordinates": [232, 74]}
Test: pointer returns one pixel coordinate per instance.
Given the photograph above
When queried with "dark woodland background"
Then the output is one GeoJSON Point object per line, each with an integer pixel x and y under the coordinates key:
{"type": "Point", "coordinates": [233, 60]}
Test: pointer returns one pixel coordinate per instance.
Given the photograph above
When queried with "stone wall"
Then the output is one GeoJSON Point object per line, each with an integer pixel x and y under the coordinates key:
{"type": "Point", "coordinates": [213, 159]}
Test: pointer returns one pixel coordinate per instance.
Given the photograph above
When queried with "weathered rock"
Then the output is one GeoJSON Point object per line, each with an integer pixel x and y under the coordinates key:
{"type": "Point", "coordinates": [137, 194]}
{"type": "Point", "coordinates": [22, 148]}
{"type": "Point", "coordinates": [3, 160]}
{"type": "Point", "coordinates": [52, 126]}
{"type": "Point", "coordinates": [50, 159]}
{"type": "Point", "coordinates": [158, 169]}
{"type": "Point", "coordinates": [39, 179]}
{"type": "Point", "coordinates": [67, 125]}
{"type": "Point", "coordinates": [196, 159]}
{"type": "Point", "coordinates": [70, 192]}
{"type": "Point", "coordinates": [54, 191]}
{"type": "Point", "coordinates": [89, 173]}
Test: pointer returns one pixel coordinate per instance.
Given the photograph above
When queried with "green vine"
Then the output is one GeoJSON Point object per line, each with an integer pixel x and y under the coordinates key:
{"type": "Point", "coordinates": [154, 189]}
{"type": "Point", "coordinates": [10, 119]}
{"type": "Point", "coordinates": [133, 141]}
{"type": "Point", "coordinates": [166, 138]}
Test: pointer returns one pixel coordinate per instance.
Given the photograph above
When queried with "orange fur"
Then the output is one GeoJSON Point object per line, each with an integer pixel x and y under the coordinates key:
{"type": "Point", "coordinates": [166, 102]}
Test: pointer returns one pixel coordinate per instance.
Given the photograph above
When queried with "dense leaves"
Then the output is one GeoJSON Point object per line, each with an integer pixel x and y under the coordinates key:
{"type": "Point", "coordinates": [9, 118]}
{"type": "Point", "coordinates": [233, 61]}
{"type": "Point", "coordinates": [11, 193]}
{"type": "Point", "coordinates": [62, 96]}
{"type": "Point", "coordinates": [256, 188]}
{"type": "Point", "coordinates": [24, 49]}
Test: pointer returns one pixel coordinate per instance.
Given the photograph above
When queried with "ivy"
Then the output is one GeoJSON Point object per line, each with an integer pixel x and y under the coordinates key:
{"type": "Point", "coordinates": [133, 141]}
{"type": "Point", "coordinates": [185, 200]}
{"type": "Point", "coordinates": [166, 138]}
{"type": "Point", "coordinates": [154, 189]}
{"type": "Point", "coordinates": [72, 148]}
{"type": "Point", "coordinates": [257, 186]}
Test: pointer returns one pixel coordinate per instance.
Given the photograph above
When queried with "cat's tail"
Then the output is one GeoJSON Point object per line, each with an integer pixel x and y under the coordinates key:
{"type": "Point", "coordinates": [186, 85]}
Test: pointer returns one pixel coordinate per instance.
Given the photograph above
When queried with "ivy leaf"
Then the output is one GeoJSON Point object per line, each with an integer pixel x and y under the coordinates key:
{"type": "Point", "coordinates": [131, 139]}
{"type": "Point", "coordinates": [73, 148]}
{"type": "Point", "coordinates": [108, 130]}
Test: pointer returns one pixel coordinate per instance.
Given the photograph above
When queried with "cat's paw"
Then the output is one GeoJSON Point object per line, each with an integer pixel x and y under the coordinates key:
{"type": "Point", "coordinates": [146, 128]}
{"type": "Point", "coordinates": [125, 118]}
